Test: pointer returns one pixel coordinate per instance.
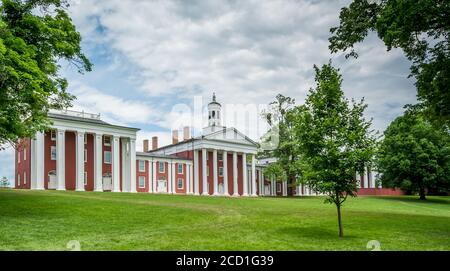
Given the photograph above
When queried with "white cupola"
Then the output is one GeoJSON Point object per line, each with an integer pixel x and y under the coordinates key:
{"type": "Point", "coordinates": [214, 109]}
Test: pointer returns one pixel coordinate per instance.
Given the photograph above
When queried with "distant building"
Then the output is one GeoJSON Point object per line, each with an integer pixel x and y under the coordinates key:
{"type": "Point", "coordinates": [82, 152]}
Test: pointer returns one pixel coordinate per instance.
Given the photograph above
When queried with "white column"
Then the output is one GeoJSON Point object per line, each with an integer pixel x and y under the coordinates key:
{"type": "Point", "coordinates": [169, 177]}
{"type": "Point", "coordinates": [37, 162]}
{"type": "Point", "coordinates": [125, 164]}
{"type": "Point", "coordinates": [174, 171]}
{"type": "Point", "coordinates": [149, 176]}
{"type": "Point", "coordinates": [225, 173]}
{"type": "Point", "coordinates": [132, 161]}
{"type": "Point", "coordinates": [98, 162]}
{"type": "Point", "coordinates": [261, 183]}
{"type": "Point", "coordinates": [235, 175]}
{"type": "Point", "coordinates": [196, 174]}
{"type": "Point", "coordinates": [366, 183]}
{"type": "Point", "coordinates": [254, 176]}
{"type": "Point", "coordinates": [215, 174]}
{"type": "Point", "coordinates": [244, 175]}
{"type": "Point", "coordinates": [205, 187]}
{"type": "Point", "coordinates": [154, 176]}
{"type": "Point", "coordinates": [60, 159]}
{"type": "Point", "coordinates": [116, 164]}
{"type": "Point", "coordinates": [272, 187]}
{"type": "Point", "coordinates": [187, 173]}
{"type": "Point", "coordinates": [284, 188]}
{"type": "Point", "coordinates": [191, 178]}
{"type": "Point", "coordinates": [79, 154]}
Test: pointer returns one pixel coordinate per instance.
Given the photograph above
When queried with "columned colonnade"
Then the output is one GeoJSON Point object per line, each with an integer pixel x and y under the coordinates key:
{"type": "Point", "coordinates": [248, 182]}
{"type": "Point", "coordinates": [39, 176]}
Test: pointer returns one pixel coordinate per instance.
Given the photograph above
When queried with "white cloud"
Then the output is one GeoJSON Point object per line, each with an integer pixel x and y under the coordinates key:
{"type": "Point", "coordinates": [112, 108]}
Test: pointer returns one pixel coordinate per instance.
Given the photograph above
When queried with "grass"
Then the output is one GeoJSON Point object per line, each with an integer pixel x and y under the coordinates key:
{"type": "Point", "coordinates": [47, 220]}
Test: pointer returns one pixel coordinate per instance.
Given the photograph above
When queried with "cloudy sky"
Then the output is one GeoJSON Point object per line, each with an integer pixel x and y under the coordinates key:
{"type": "Point", "coordinates": [151, 56]}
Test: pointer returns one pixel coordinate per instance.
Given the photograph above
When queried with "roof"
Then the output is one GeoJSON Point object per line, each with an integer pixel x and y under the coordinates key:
{"type": "Point", "coordinates": [165, 156]}
{"type": "Point", "coordinates": [87, 120]}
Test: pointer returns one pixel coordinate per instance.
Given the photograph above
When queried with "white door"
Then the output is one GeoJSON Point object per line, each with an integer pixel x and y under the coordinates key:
{"type": "Point", "coordinates": [51, 181]}
{"type": "Point", "coordinates": [107, 183]}
{"type": "Point", "coordinates": [266, 189]}
{"type": "Point", "coordinates": [221, 188]}
{"type": "Point", "coordinates": [162, 186]}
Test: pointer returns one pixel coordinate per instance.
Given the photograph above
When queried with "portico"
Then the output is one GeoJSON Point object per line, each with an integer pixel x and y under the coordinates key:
{"type": "Point", "coordinates": [66, 150]}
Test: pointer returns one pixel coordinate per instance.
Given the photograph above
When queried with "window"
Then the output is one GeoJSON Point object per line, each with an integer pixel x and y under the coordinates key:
{"type": "Point", "coordinates": [53, 152]}
{"type": "Point", "coordinates": [85, 155]}
{"type": "Point", "coordinates": [220, 171]}
{"type": "Point", "coordinates": [85, 178]}
{"type": "Point", "coordinates": [207, 171]}
{"type": "Point", "coordinates": [85, 139]}
{"type": "Point", "coordinates": [180, 168]}
{"type": "Point", "coordinates": [53, 135]}
{"type": "Point", "coordinates": [220, 156]}
{"type": "Point", "coordinates": [24, 154]}
{"type": "Point", "coordinates": [141, 166]}
{"type": "Point", "coordinates": [161, 167]}
{"type": "Point", "coordinates": [107, 157]}
{"type": "Point", "coordinates": [180, 183]}
{"type": "Point", "coordinates": [107, 141]}
{"type": "Point", "coordinates": [279, 187]}
{"type": "Point", "coordinates": [18, 179]}
{"type": "Point", "coordinates": [18, 157]}
{"type": "Point", "coordinates": [141, 181]}
{"type": "Point", "coordinates": [24, 178]}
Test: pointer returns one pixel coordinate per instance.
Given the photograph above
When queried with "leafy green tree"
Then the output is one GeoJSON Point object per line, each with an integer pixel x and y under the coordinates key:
{"type": "Point", "coordinates": [334, 139]}
{"type": "Point", "coordinates": [35, 35]}
{"type": "Point", "coordinates": [421, 28]}
{"type": "Point", "coordinates": [4, 182]}
{"type": "Point", "coordinates": [280, 119]}
{"type": "Point", "coordinates": [414, 155]}
{"type": "Point", "coordinates": [276, 171]}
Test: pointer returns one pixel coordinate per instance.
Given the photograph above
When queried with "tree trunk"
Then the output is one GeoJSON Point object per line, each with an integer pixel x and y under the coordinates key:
{"type": "Point", "coordinates": [422, 193]}
{"type": "Point", "coordinates": [341, 228]}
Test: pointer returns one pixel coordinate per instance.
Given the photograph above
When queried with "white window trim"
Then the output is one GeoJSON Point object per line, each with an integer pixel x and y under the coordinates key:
{"type": "Point", "coordinates": [85, 155]}
{"type": "Point", "coordinates": [24, 154]}
{"type": "Point", "coordinates": [51, 151]}
{"type": "Point", "coordinates": [104, 157]}
{"type": "Point", "coordinates": [18, 179]}
{"type": "Point", "coordinates": [85, 178]}
{"type": "Point", "coordinates": [178, 168]}
{"type": "Point", "coordinates": [178, 183]}
{"type": "Point", "coordinates": [159, 167]}
{"type": "Point", "coordinates": [85, 139]}
{"type": "Point", "coordinates": [25, 178]}
{"type": "Point", "coordinates": [279, 187]}
{"type": "Point", "coordinates": [104, 141]}
{"type": "Point", "coordinates": [53, 135]}
{"type": "Point", "coordinates": [18, 157]}
{"type": "Point", "coordinates": [139, 165]}
{"type": "Point", "coordinates": [139, 181]}
{"type": "Point", "coordinates": [220, 169]}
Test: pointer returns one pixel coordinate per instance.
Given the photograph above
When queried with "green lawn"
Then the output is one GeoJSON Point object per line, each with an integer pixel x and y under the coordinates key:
{"type": "Point", "coordinates": [47, 220]}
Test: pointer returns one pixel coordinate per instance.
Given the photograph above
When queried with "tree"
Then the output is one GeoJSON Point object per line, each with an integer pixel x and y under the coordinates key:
{"type": "Point", "coordinates": [414, 155]}
{"type": "Point", "coordinates": [276, 171]}
{"type": "Point", "coordinates": [35, 35]}
{"type": "Point", "coordinates": [420, 27]}
{"type": "Point", "coordinates": [279, 117]}
{"type": "Point", "coordinates": [4, 182]}
{"type": "Point", "coordinates": [334, 139]}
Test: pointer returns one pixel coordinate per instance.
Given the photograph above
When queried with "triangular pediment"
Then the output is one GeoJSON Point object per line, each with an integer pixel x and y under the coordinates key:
{"type": "Point", "coordinates": [231, 135]}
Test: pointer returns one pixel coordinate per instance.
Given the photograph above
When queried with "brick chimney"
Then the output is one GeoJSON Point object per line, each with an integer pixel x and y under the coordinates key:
{"type": "Point", "coordinates": [174, 136]}
{"type": "Point", "coordinates": [154, 143]}
{"type": "Point", "coordinates": [145, 145]}
{"type": "Point", "coordinates": [186, 133]}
